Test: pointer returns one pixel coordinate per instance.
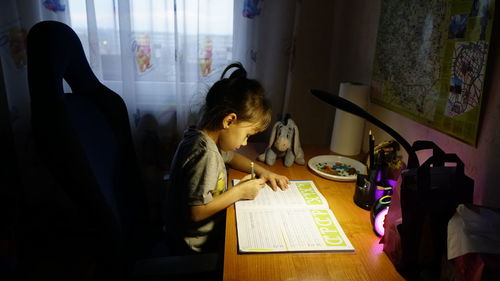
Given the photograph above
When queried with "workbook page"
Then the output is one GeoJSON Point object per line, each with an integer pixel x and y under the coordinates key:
{"type": "Point", "coordinates": [298, 194]}
{"type": "Point", "coordinates": [289, 230]}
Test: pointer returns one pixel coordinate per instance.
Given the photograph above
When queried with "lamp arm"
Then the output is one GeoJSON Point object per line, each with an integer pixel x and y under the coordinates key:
{"type": "Point", "coordinates": [352, 108]}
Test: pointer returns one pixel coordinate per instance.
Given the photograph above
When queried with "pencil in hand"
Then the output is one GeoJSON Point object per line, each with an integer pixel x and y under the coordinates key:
{"type": "Point", "coordinates": [371, 149]}
{"type": "Point", "coordinates": [252, 171]}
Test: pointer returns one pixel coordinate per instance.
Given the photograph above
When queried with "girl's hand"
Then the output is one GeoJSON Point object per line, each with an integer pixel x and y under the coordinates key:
{"type": "Point", "coordinates": [275, 180]}
{"type": "Point", "coordinates": [248, 188]}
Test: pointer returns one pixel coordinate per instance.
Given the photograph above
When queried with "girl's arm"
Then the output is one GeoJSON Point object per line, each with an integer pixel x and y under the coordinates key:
{"type": "Point", "coordinates": [246, 189]}
{"type": "Point", "coordinates": [242, 163]}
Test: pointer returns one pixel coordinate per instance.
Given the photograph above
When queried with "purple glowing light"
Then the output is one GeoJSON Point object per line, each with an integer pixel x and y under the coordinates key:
{"type": "Point", "coordinates": [392, 183]}
{"type": "Point", "coordinates": [378, 223]}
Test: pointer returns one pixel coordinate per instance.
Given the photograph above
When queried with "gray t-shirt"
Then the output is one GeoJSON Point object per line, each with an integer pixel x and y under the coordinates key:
{"type": "Point", "coordinates": [198, 174]}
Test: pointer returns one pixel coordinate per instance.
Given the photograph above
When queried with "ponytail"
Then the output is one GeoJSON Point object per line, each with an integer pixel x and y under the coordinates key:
{"type": "Point", "coordinates": [240, 71]}
{"type": "Point", "coordinates": [235, 94]}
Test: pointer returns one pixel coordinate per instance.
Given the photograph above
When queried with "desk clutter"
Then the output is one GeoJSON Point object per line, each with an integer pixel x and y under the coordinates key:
{"type": "Point", "coordinates": [410, 206]}
{"type": "Point", "coordinates": [423, 200]}
{"type": "Point", "coordinates": [373, 190]}
{"type": "Point", "coordinates": [384, 166]}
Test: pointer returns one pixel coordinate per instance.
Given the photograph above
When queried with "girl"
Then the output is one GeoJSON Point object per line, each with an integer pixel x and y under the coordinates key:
{"type": "Point", "coordinates": [235, 108]}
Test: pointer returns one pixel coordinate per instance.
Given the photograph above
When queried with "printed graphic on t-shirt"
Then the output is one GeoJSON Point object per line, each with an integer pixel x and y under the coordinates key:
{"type": "Point", "coordinates": [220, 185]}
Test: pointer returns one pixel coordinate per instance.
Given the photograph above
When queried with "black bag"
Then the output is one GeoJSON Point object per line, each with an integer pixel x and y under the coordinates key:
{"type": "Point", "coordinates": [430, 195]}
{"type": "Point", "coordinates": [393, 219]}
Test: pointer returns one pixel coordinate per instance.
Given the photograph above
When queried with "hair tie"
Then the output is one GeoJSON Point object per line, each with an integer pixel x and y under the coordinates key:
{"type": "Point", "coordinates": [240, 71]}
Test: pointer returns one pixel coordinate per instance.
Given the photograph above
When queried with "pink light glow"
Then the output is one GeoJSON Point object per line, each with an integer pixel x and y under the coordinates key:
{"type": "Point", "coordinates": [392, 182]}
{"type": "Point", "coordinates": [378, 223]}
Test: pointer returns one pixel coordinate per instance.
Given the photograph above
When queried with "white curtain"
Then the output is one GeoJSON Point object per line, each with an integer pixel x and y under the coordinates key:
{"type": "Point", "coordinates": [161, 56]}
{"type": "Point", "coordinates": [263, 40]}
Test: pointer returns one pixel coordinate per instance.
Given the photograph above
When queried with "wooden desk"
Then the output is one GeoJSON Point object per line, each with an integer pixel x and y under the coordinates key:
{"type": "Point", "coordinates": [368, 262]}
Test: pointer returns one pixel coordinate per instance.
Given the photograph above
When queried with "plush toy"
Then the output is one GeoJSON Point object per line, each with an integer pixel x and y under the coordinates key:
{"type": "Point", "coordinates": [284, 142]}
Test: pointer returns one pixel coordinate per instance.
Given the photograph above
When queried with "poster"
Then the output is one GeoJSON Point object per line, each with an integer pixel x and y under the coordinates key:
{"type": "Point", "coordinates": [430, 62]}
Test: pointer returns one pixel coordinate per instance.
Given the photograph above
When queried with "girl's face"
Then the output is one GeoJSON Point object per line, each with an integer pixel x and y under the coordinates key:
{"type": "Point", "coordinates": [235, 134]}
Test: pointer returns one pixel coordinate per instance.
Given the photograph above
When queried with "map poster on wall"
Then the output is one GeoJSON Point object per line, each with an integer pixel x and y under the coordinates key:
{"type": "Point", "coordinates": [430, 62]}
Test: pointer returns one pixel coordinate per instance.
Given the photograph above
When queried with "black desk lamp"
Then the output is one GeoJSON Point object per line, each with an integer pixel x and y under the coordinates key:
{"type": "Point", "coordinates": [352, 108]}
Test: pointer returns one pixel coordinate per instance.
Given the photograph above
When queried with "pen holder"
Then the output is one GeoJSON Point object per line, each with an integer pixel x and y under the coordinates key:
{"type": "Point", "coordinates": [364, 193]}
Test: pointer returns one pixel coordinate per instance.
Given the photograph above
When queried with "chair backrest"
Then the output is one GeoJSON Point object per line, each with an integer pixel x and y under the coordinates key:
{"type": "Point", "coordinates": [85, 140]}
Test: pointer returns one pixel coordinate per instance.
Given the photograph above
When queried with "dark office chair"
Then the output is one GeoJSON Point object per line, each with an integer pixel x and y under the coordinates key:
{"type": "Point", "coordinates": [84, 139]}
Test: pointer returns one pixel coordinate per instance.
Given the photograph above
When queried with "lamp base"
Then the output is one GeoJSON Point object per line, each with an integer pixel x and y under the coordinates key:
{"type": "Point", "coordinates": [378, 212]}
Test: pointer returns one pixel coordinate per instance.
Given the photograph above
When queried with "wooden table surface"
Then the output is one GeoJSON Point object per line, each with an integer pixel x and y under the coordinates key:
{"type": "Point", "coordinates": [368, 262]}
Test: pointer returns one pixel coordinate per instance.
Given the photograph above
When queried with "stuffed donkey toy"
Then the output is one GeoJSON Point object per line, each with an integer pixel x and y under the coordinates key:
{"type": "Point", "coordinates": [284, 142]}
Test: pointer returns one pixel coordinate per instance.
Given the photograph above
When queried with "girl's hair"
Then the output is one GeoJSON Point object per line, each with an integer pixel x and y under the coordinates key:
{"type": "Point", "coordinates": [236, 94]}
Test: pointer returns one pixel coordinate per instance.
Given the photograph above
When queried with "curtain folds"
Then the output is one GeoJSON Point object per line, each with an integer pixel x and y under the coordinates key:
{"type": "Point", "coordinates": [263, 41]}
{"type": "Point", "coordinates": [161, 56]}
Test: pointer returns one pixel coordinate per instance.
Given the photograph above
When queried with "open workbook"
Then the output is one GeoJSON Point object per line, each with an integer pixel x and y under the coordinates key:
{"type": "Point", "coordinates": [295, 220]}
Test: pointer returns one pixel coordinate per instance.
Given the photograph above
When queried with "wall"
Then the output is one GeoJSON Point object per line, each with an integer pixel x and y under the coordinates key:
{"type": "Point", "coordinates": [311, 69]}
{"type": "Point", "coordinates": [351, 47]}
